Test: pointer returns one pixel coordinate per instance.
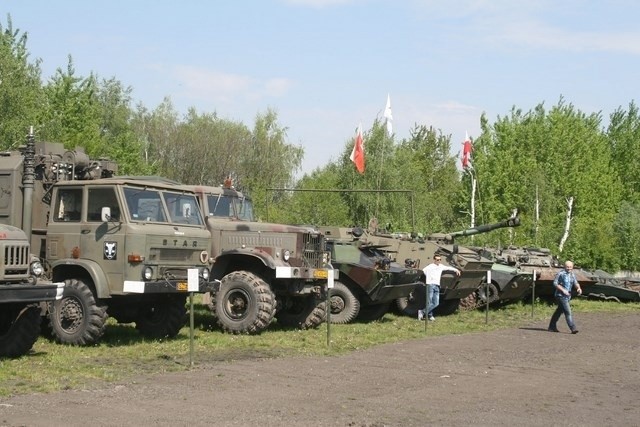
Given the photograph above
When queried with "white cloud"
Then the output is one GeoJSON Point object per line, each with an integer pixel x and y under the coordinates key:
{"type": "Point", "coordinates": [201, 83]}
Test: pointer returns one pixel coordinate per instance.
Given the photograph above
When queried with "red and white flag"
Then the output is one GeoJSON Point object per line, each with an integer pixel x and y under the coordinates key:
{"type": "Point", "coordinates": [467, 148]}
{"type": "Point", "coordinates": [357, 154]}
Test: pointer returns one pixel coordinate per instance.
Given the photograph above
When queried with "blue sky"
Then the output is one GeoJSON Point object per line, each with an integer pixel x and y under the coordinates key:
{"type": "Point", "coordinates": [327, 65]}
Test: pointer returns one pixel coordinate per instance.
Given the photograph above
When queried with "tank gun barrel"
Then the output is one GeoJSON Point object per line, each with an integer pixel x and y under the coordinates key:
{"type": "Point", "coordinates": [511, 222]}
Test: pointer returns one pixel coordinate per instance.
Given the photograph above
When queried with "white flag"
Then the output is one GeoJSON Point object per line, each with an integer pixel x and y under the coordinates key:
{"type": "Point", "coordinates": [388, 116]}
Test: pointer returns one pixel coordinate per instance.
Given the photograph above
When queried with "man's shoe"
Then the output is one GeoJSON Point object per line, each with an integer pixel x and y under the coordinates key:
{"type": "Point", "coordinates": [555, 330]}
{"type": "Point", "coordinates": [431, 318]}
{"type": "Point", "coordinates": [575, 331]}
{"type": "Point", "coordinates": [420, 315]}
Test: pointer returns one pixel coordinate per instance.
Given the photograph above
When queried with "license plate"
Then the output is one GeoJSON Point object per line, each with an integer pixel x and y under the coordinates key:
{"type": "Point", "coordinates": [320, 274]}
{"type": "Point", "coordinates": [182, 286]}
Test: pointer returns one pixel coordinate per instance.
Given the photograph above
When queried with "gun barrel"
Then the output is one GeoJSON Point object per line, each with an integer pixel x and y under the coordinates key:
{"type": "Point", "coordinates": [511, 222]}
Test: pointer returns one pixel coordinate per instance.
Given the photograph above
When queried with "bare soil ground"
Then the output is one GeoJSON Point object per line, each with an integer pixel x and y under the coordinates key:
{"type": "Point", "coordinates": [523, 376]}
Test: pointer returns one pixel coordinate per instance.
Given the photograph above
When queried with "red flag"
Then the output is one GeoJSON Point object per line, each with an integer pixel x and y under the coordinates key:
{"type": "Point", "coordinates": [357, 154]}
{"type": "Point", "coordinates": [467, 148]}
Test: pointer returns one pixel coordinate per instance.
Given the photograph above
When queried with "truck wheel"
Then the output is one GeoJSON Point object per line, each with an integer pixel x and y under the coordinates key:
{"type": "Point", "coordinates": [244, 304]}
{"type": "Point", "coordinates": [19, 329]}
{"type": "Point", "coordinates": [163, 318]}
{"type": "Point", "coordinates": [447, 307]}
{"type": "Point", "coordinates": [306, 312]}
{"type": "Point", "coordinates": [416, 300]}
{"type": "Point", "coordinates": [493, 293]}
{"type": "Point", "coordinates": [77, 319]}
{"type": "Point", "coordinates": [343, 304]}
{"type": "Point", "coordinates": [371, 313]}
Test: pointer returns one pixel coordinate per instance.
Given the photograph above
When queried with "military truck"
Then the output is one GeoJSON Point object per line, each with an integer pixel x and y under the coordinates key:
{"type": "Point", "coordinates": [21, 292]}
{"type": "Point", "coordinates": [418, 252]}
{"type": "Point", "coordinates": [369, 279]}
{"type": "Point", "coordinates": [122, 246]}
{"type": "Point", "coordinates": [266, 271]}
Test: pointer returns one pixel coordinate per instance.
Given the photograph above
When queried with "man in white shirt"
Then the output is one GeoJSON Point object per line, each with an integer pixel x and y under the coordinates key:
{"type": "Point", "coordinates": [433, 273]}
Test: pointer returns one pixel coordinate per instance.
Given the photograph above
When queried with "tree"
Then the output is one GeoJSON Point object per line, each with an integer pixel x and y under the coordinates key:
{"type": "Point", "coordinates": [21, 94]}
{"type": "Point", "coordinates": [557, 155]}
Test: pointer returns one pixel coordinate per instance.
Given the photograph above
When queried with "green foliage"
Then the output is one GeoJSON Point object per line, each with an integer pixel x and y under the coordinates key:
{"type": "Point", "coordinates": [551, 157]}
{"type": "Point", "coordinates": [20, 88]}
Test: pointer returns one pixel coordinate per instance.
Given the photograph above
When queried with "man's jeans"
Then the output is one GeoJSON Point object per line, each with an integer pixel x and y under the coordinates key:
{"type": "Point", "coordinates": [563, 307]}
{"type": "Point", "coordinates": [433, 298]}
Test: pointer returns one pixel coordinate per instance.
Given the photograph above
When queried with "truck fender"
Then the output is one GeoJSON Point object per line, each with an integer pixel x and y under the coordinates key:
{"type": "Point", "coordinates": [91, 268]}
{"type": "Point", "coordinates": [223, 260]}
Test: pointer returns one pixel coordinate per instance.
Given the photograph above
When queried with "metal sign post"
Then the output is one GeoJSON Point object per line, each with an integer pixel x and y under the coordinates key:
{"type": "Point", "coordinates": [486, 297]}
{"type": "Point", "coordinates": [330, 280]}
{"type": "Point", "coordinates": [533, 292]}
{"type": "Point", "coordinates": [193, 284]}
{"type": "Point", "coordinates": [426, 306]}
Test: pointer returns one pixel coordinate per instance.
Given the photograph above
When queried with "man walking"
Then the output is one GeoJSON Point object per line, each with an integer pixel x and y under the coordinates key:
{"type": "Point", "coordinates": [433, 273]}
{"type": "Point", "coordinates": [564, 281]}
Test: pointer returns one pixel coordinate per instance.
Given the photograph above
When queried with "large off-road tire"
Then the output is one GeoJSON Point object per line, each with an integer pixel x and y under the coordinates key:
{"type": "Point", "coordinates": [163, 318]}
{"type": "Point", "coordinates": [447, 307]}
{"type": "Point", "coordinates": [416, 300]}
{"type": "Point", "coordinates": [244, 304]}
{"type": "Point", "coordinates": [343, 304]}
{"type": "Point", "coordinates": [371, 313]}
{"type": "Point", "coordinates": [19, 328]}
{"type": "Point", "coordinates": [306, 312]}
{"type": "Point", "coordinates": [77, 319]}
{"type": "Point", "coordinates": [494, 293]}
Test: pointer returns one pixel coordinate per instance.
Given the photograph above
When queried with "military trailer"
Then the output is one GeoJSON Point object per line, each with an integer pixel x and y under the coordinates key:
{"type": "Point", "coordinates": [266, 271]}
{"type": "Point", "coordinates": [21, 292]}
{"type": "Point", "coordinates": [122, 246]}
{"type": "Point", "coordinates": [369, 279]}
{"type": "Point", "coordinates": [418, 253]}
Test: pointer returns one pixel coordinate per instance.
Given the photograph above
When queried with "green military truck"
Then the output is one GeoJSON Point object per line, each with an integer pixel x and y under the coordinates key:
{"type": "Point", "coordinates": [21, 292]}
{"type": "Point", "coordinates": [122, 246]}
{"type": "Point", "coordinates": [267, 271]}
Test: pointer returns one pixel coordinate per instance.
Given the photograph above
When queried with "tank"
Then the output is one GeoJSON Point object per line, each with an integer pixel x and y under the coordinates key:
{"type": "Point", "coordinates": [369, 280]}
{"type": "Point", "coordinates": [541, 261]}
{"type": "Point", "coordinates": [418, 252]}
{"type": "Point", "coordinates": [611, 288]}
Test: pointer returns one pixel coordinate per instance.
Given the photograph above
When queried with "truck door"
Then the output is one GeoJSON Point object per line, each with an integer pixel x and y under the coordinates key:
{"type": "Point", "coordinates": [103, 241]}
{"type": "Point", "coordinates": [63, 230]}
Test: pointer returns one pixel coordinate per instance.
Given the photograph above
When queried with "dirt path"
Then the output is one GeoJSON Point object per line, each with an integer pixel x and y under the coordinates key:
{"type": "Point", "coordinates": [524, 376]}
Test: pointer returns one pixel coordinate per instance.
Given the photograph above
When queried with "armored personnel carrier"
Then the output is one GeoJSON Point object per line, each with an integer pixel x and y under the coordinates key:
{"type": "Point", "coordinates": [369, 279]}
{"type": "Point", "coordinates": [417, 253]}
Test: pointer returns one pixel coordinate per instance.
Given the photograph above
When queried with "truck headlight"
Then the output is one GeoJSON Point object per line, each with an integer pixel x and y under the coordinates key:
{"type": "Point", "coordinates": [36, 268]}
{"type": "Point", "coordinates": [286, 254]}
{"type": "Point", "coordinates": [205, 274]}
{"type": "Point", "coordinates": [148, 273]}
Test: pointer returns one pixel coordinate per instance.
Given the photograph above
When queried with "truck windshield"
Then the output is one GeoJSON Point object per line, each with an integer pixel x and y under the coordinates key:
{"type": "Point", "coordinates": [226, 206]}
{"type": "Point", "coordinates": [244, 208]}
{"type": "Point", "coordinates": [183, 208]}
{"type": "Point", "coordinates": [144, 205]}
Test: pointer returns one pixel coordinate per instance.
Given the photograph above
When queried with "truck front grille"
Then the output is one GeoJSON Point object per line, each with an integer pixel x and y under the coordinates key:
{"type": "Point", "coordinates": [314, 250]}
{"type": "Point", "coordinates": [15, 262]}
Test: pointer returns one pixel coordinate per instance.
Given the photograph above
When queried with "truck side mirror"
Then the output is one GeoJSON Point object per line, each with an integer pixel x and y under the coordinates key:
{"type": "Point", "coordinates": [105, 214]}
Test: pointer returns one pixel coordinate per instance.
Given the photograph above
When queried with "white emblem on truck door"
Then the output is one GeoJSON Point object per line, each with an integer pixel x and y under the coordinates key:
{"type": "Point", "coordinates": [110, 250]}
